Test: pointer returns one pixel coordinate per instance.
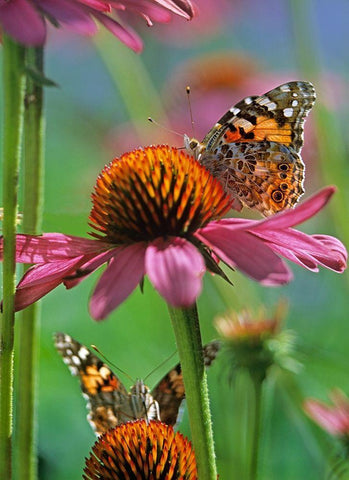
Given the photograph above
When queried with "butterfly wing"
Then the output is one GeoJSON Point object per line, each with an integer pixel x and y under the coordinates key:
{"type": "Point", "coordinates": [266, 176]}
{"type": "Point", "coordinates": [108, 400]}
{"type": "Point", "coordinates": [170, 392]}
{"type": "Point", "coordinates": [277, 116]}
{"type": "Point", "coordinates": [254, 149]}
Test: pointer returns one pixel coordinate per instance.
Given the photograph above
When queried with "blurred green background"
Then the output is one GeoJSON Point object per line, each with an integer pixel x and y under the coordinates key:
{"type": "Point", "coordinates": [99, 111]}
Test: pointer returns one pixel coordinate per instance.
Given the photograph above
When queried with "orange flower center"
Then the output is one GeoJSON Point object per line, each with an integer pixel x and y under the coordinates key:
{"type": "Point", "coordinates": [154, 192]}
{"type": "Point", "coordinates": [138, 450]}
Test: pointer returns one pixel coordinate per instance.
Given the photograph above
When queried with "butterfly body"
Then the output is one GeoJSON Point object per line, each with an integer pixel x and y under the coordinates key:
{"type": "Point", "coordinates": [254, 149]}
{"type": "Point", "coordinates": [108, 401]}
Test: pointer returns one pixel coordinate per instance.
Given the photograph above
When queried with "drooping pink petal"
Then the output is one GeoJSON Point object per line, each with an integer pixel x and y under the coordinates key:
{"type": "Point", "coordinates": [87, 268]}
{"type": "Point", "coordinates": [175, 268]}
{"type": "Point", "coordinates": [302, 212]}
{"type": "Point", "coordinates": [249, 254]}
{"type": "Point", "coordinates": [51, 247]}
{"type": "Point", "coordinates": [41, 279]}
{"type": "Point", "coordinates": [123, 274]}
{"type": "Point", "coordinates": [306, 250]}
{"type": "Point", "coordinates": [21, 21]}
{"type": "Point", "coordinates": [185, 8]}
{"type": "Point", "coordinates": [127, 36]}
{"type": "Point", "coordinates": [70, 14]}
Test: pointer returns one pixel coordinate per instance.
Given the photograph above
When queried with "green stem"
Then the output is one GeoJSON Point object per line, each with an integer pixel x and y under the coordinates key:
{"type": "Point", "coordinates": [187, 331]}
{"type": "Point", "coordinates": [34, 131]}
{"type": "Point", "coordinates": [13, 81]}
{"type": "Point", "coordinates": [329, 132]}
{"type": "Point", "coordinates": [133, 83]}
{"type": "Point", "coordinates": [257, 385]}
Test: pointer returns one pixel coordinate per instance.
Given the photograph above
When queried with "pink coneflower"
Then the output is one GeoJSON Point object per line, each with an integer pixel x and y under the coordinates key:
{"type": "Point", "coordinates": [334, 419]}
{"type": "Point", "coordinates": [25, 20]}
{"type": "Point", "coordinates": [140, 450]}
{"type": "Point", "coordinates": [158, 212]}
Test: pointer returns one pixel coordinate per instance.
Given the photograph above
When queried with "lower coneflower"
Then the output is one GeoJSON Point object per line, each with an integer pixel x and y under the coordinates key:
{"type": "Point", "coordinates": [140, 451]}
{"type": "Point", "coordinates": [255, 342]}
{"type": "Point", "coordinates": [157, 211]}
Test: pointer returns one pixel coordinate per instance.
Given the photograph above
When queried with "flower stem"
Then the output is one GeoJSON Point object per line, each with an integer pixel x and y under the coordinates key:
{"type": "Point", "coordinates": [257, 386]}
{"type": "Point", "coordinates": [140, 97]}
{"type": "Point", "coordinates": [187, 331]}
{"type": "Point", "coordinates": [34, 131]}
{"type": "Point", "coordinates": [13, 81]}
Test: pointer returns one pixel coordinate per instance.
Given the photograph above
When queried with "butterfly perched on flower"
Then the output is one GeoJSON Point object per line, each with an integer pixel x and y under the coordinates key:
{"type": "Point", "coordinates": [109, 403]}
{"type": "Point", "coordinates": [254, 149]}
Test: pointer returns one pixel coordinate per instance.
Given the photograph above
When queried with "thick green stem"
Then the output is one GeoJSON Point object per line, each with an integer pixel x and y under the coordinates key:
{"type": "Point", "coordinates": [34, 128]}
{"type": "Point", "coordinates": [13, 81]}
{"type": "Point", "coordinates": [187, 331]}
{"type": "Point", "coordinates": [257, 386]}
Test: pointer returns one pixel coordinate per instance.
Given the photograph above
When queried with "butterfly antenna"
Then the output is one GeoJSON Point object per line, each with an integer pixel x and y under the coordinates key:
{"type": "Point", "coordinates": [111, 363]}
{"type": "Point", "coordinates": [160, 365]}
{"type": "Point", "coordinates": [190, 111]}
{"type": "Point", "coordinates": [151, 120]}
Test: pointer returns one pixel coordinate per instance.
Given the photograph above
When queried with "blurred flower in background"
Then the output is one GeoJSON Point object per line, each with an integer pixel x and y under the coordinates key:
{"type": "Point", "coordinates": [138, 450]}
{"type": "Point", "coordinates": [255, 342]}
{"type": "Point", "coordinates": [26, 20]}
{"type": "Point", "coordinates": [334, 419]}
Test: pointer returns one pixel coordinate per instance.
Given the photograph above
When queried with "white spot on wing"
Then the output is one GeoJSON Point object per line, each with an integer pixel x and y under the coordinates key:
{"type": "Point", "coordinates": [288, 112]}
{"type": "Point", "coordinates": [234, 110]}
{"type": "Point", "coordinates": [73, 370]}
{"type": "Point", "coordinates": [266, 102]}
{"type": "Point", "coordinates": [285, 88]}
{"type": "Point", "coordinates": [83, 353]}
{"type": "Point", "coordinates": [248, 100]}
{"type": "Point", "coordinates": [76, 360]}
{"type": "Point", "coordinates": [294, 103]}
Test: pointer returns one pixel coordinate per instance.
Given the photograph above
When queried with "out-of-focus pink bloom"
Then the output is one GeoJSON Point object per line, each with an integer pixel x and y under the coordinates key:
{"type": "Point", "coordinates": [159, 212]}
{"type": "Point", "coordinates": [212, 17]}
{"type": "Point", "coordinates": [25, 20]}
{"type": "Point", "coordinates": [334, 419]}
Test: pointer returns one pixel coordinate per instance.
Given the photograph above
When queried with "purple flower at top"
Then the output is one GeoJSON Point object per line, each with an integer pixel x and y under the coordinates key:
{"type": "Point", "coordinates": [158, 212]}
{"type": "Point", "coordinates": [25, 20]}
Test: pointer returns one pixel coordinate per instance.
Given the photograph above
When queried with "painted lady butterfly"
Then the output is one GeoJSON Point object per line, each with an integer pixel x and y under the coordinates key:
{"type": "Point", "coordinates": [109, 403]}
{"type": "Point", "coordinates": [254, 149]}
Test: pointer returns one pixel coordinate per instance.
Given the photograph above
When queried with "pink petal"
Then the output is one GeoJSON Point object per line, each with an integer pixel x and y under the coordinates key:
{"type": "Point", "coordinates": [71, 14]}
{"type": "Point", "coordinates": [41, 279]}
{"type": "Point", "coordinates": [124, 272]}
{"type": "Point", "coordinates": [302, 212]}
{"type": "Point", "coordinates": [328, 418]}
{"type": "Point", "coordinates": [127, 36]}
{"type": "Point", "coordinates": [51, 247]}
{"type": "Point", "coordinates": [175, 267]}
{"type": "Point", "coordinates": [306, 250]}
{"type": "Point", "coordinates": [100, 5]}
{"type": "Point", "coordinates": [20, 20]}
{"type": "Point", "coordinates": [148, 11]}
{"type": "Point", "coordinates": [87, 268]}
{"type": "Point", "coordinates": [184, 8]}
{"type": "Point", "coordinates": [247, 253]}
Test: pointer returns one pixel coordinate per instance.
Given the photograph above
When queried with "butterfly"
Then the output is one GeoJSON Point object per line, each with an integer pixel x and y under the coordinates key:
{"type": "Point", "coordinates": [254, 149]}
{"type": "Point", "coordinates": [109, 403]}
